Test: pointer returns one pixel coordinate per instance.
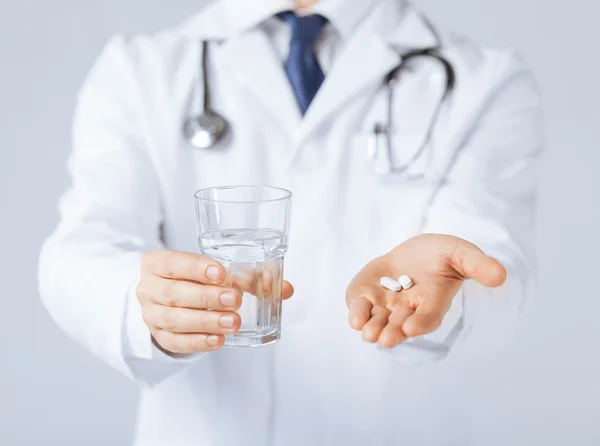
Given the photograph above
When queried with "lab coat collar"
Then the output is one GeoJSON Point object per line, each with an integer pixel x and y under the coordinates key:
{"type": "Point", "coordinates": [373, 49]}
{"type": "Point", "coordinates": [408, 29]}
{"type": "Point", "coordinates": [250, 55]}
{"type": "Point", "coordinates": [225, 18]}
{"type": "Point", "coordinates": [394, 28]}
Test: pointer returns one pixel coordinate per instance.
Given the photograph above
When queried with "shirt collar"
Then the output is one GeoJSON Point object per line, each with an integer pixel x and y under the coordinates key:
{"type": "Point", "coordinates": [239, 16]}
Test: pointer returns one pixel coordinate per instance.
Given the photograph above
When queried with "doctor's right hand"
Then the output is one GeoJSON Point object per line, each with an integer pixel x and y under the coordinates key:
{"type": "Point", "coordinates": [185, 303]}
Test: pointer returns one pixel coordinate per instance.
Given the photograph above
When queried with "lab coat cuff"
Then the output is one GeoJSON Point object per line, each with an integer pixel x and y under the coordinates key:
{"type": "Point", "coordinates": [491, 316]}
{"type": "Point", "coordinates": [138, 342]}
{"type": "Point", "coordinates": [435, 346]}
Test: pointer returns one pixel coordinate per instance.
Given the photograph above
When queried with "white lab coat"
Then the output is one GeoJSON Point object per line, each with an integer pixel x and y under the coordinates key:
{"type": "Point", "coordinates": [133, 180]}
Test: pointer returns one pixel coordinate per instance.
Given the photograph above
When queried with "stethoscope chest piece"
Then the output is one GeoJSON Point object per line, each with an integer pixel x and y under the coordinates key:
{"type": "Point", "coordinates": [205, 130]}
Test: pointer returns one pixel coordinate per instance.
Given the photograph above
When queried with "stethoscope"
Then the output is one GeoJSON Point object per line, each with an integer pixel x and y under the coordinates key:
{"type": "Point", "coordinates": [379, 150]}
{"type": "Point", "coordinates": [208, 128]}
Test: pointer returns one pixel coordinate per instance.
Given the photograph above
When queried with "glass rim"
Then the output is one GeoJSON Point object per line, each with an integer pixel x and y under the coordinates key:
{"type": "Point", "coordinates": [286, 194]}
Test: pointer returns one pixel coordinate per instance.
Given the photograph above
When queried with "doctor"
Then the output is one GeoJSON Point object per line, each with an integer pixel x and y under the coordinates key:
{"type": "Point", "coordinates": [303, 89]}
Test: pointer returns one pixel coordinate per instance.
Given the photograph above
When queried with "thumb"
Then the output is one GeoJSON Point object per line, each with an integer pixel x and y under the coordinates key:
{"type": "Point", "coordinates": [472, 263]}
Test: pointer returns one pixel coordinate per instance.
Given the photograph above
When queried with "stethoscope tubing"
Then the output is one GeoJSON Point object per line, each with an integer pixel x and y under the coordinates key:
{"type": "Point", "coordinates": [390, 82]}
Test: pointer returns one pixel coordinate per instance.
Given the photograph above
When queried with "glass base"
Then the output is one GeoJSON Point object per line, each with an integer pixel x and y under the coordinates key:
{"type": "Point", "coordinates": [252, 339]}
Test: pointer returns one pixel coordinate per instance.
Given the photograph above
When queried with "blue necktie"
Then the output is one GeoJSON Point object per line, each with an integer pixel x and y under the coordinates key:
{"type": "Point", "coordinates": [302, 67]}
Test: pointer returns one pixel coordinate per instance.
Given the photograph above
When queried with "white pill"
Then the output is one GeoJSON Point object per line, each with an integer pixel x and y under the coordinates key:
{"type": "Point", "coordinates": [405, 281]}
{"type": "Point", "coordinates": [390, 284]}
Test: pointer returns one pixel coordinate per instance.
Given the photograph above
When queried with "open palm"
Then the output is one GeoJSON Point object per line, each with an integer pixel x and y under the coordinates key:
{"type": "Point", "coordinates": [438, 265]}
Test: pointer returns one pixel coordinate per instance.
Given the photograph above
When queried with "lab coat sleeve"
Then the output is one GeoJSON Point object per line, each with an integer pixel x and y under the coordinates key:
{"type": "Point", "coordinates": [488, 197]}
{"type": "Point", "coordinates": [109, 217]}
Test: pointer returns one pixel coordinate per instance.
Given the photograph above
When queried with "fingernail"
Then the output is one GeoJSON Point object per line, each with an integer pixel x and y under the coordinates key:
{"type": "Point", "coordinates": [213, 340]}
{"type": "Point", "coordinates": [228, 299]}
{"type": "Point", "coordinates": [213, 273]}
{"type": "Point", "coordinates": [227, 321]}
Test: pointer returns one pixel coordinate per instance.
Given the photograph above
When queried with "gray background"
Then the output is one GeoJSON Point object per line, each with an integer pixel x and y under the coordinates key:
{"type": "Point", "coordinates": [547, 388]}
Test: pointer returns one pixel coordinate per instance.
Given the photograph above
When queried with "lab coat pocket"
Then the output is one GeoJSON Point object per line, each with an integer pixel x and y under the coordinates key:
{"type": "Point", "coordinates": [401, 126]}
{"type": "Point", "coordinates": [388, 207]}
{"type": "Point", "coordinates": [396, 159]}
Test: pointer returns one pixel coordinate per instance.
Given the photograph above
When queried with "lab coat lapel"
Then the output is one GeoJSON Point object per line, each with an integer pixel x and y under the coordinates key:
{"type": "Point", "coordinates": [364, 61]}
{"type": "Point", "coordinates": [253, 61]}
{"type": "Point", "coordinates": [373, 51]}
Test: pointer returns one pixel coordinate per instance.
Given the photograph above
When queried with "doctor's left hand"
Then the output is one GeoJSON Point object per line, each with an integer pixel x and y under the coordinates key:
{"type": "Point", "coordinates": [438, 265]}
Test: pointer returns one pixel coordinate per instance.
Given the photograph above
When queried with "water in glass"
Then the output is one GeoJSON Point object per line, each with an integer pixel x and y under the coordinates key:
{"type": "Point", "coordinates": [254, 261]}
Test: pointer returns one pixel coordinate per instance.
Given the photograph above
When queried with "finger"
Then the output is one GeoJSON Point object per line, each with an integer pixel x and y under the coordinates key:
{"type": "Point", "coordinates": [265, 283]}
{"type": "Point", "coordinates": [473, 263]}
{"type": "Point", "coordinates": [188, 343]}
{"type": "Point", "coordinates": [269, 283]}
{"type": "Point", "coordinates": [272, 277]}
{"type": "Point", "coordinates": [372, 329]}
{"type": "Point", "coordinates": [183, 320]}
{"type": "Point", "coordinates": [179, 293]}
{"type": "Point", "coordinates": [184, 266]}
{"type": "Point", "coordinates": [288, 290]}
{"type": "Point", "coordinates": [427, 317]}
{"type": "Point", "coordinates": [367, 288]}
{"type": "Point", "coordinates": [244, 279]}
{"type": "Point", "coordinates": [393, 334]}
{"type": "Point", "coordinates": [360, 313]}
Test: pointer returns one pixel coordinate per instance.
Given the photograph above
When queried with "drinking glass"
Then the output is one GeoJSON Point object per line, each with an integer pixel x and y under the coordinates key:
{"type": "Point", "coordinates": [246, 228]}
